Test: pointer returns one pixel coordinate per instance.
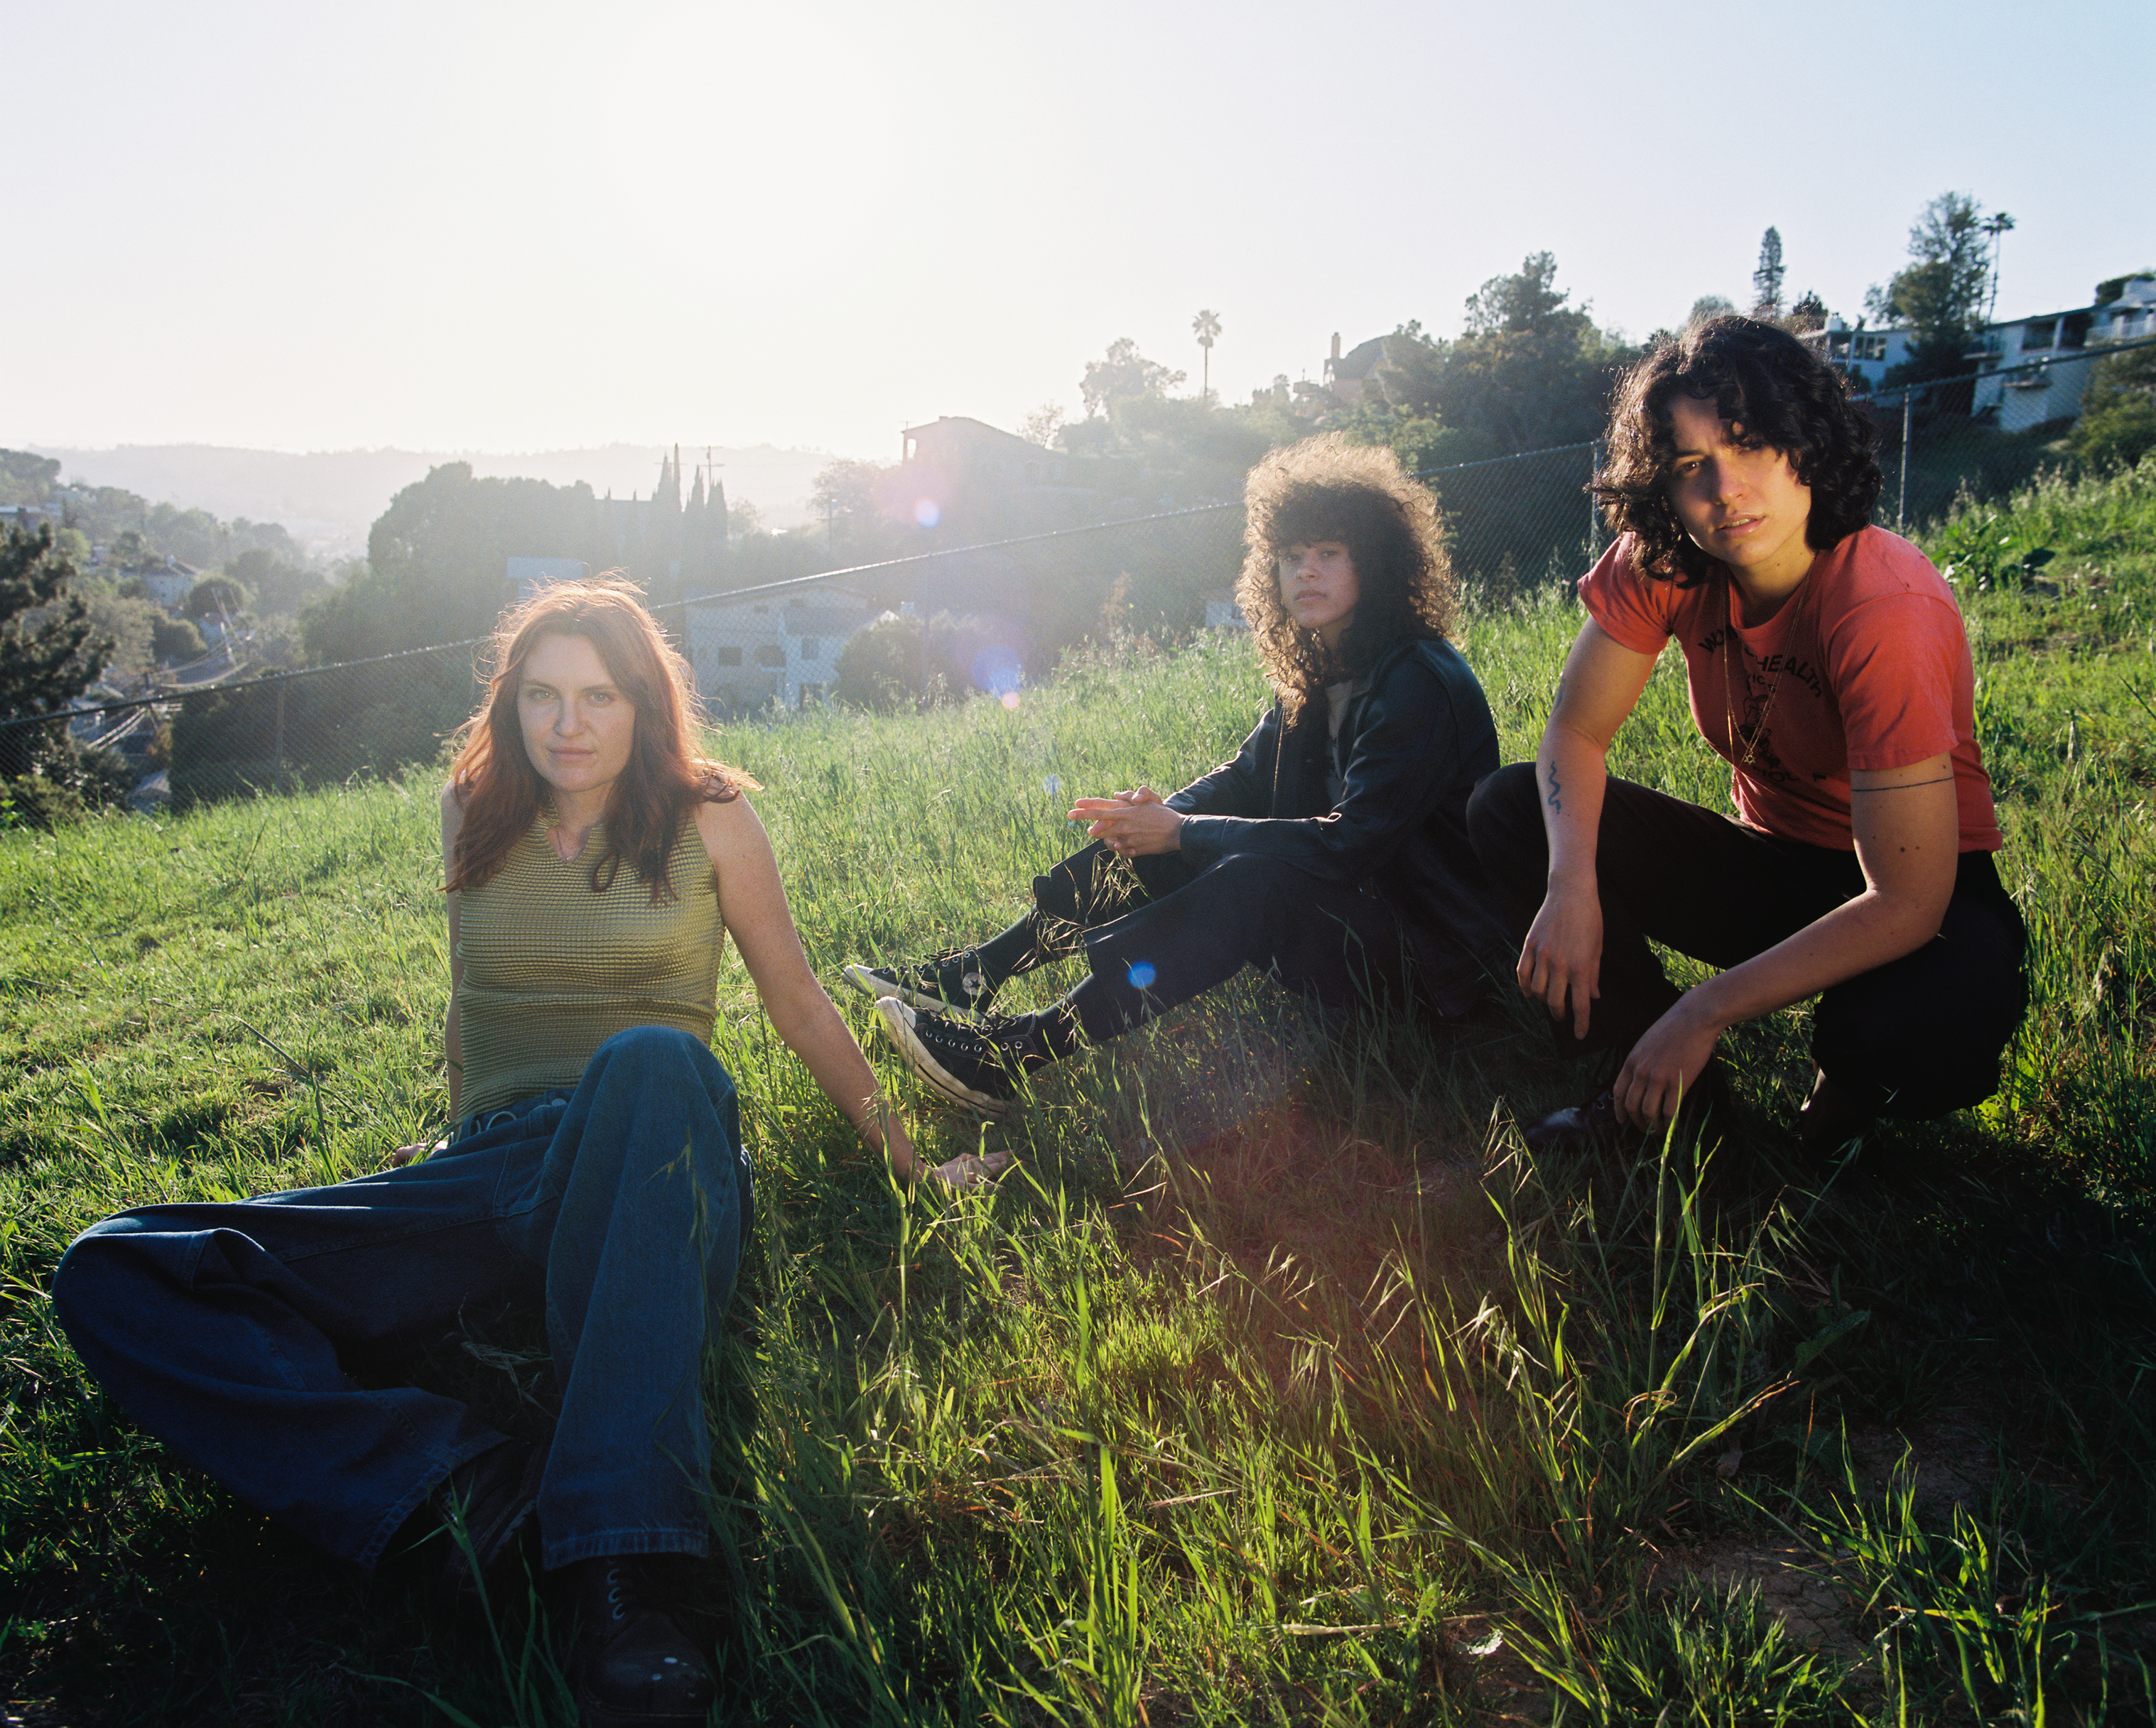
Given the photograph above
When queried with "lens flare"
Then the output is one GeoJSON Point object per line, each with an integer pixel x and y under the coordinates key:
{"type": "Point", "coordinates": [1052, 786]}
{"type": "Point", "coordinates": [1142, 975]}
{"type": "Point", "coordinates": [996, 669]}
{"type": "Point", "coordinates": [1010, 701]}
{"type": "Point", "coordinates": [926, 514]}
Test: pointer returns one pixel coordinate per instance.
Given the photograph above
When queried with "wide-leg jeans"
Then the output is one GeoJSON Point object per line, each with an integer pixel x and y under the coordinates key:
{"type": "Point", "coordinates": [621, 1206]}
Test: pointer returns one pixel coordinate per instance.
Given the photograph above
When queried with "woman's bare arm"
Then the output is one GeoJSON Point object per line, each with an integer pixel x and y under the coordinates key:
{"type": "Point", "coordinates": [1908, 839]}
{"type": "Point", "coordinates": [452, 1049]}
{"type": "Point", "coordinates": [1561, 960]}
{"type": "Point", "coordinates": [752, 901]}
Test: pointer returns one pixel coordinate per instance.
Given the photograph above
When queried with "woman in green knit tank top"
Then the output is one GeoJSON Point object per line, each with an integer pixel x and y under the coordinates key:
{"type": "Point", "coordinates": [594, 867]}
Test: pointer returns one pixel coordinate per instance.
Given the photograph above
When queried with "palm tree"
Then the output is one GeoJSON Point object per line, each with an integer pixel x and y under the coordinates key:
{"type": "Point", "coordinates": [1205, 327]}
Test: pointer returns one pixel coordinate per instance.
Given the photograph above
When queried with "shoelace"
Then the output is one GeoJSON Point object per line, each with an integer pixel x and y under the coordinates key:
{"type": "Point", "coordinates": [998, 1038]}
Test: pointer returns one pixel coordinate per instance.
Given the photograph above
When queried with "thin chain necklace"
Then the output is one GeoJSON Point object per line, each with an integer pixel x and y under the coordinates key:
{"type": "Point", "coordinates": [1758, 734]}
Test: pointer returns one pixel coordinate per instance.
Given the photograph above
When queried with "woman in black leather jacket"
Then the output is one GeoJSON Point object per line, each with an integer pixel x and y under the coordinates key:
{"type": "Point", "coordinates": [1331, 850]}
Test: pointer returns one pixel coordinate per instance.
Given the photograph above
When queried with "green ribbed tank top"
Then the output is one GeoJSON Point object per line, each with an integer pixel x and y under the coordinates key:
{"type": "Point", "coordinates": [552, 971]}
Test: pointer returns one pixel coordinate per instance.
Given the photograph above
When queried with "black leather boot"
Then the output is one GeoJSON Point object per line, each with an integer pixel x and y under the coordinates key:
{"type": "Point", "coordinates": [631, 1665]}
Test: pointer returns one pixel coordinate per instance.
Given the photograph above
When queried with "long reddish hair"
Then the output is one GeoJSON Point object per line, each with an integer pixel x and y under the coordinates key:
{"type": "Point", "coordinates": [499, 789]}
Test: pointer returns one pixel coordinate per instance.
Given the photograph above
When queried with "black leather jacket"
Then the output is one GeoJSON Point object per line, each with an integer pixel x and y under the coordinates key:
{"type": "Point", "coordinates": [1412, 746]}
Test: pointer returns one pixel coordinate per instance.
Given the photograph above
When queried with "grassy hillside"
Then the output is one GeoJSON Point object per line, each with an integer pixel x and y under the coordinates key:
{"type": "Point", "coordinates": [1276, 1383]}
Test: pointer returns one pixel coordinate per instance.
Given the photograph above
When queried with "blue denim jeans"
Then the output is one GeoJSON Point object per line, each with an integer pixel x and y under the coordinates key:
{"type": "Point", "coordinates": [624, 1206]}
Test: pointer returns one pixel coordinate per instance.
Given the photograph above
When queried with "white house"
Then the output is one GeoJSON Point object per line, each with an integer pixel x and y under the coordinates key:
{"type": "Point", "coordinates": [1867, 354]}
{"type": "Point", "coordinates": [772, 647]}
{"type": "Point", "coordinates": [2034, 370]}
{"type": "Point", "coordinates": [169, 582]}
{"type": "Point", "coordinates": [2029, 370]}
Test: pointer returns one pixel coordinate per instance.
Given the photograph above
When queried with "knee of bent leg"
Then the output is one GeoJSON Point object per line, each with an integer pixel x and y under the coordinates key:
{"type": "Point", "coordinates": [92, 1284]}
{"type": "Point", "coordinates": [1253, 879]}
{"type": "Point", "coordinates": [658, 1049]}
{"type": "Point", "coordinates": [1504, 808]}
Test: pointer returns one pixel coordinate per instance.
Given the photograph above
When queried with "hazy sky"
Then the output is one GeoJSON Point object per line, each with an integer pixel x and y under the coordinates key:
{"type": "Point", "coordinates": [529, 225]}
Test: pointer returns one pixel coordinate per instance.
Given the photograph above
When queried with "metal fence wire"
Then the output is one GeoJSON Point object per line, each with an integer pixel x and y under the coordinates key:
{"type": "Point", "coordinates": [1003, 609]}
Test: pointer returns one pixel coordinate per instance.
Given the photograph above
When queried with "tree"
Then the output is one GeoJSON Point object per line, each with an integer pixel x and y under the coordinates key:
{"type": "Point", "coordinates": [1706, 306]}
{"type": "Point", "coordinates": [1939, 296]}
{"type": "Point", "coordinates": [844, 495]}
{"type": "Point", "coordinates": [1042, 425]}
{"type": "Point", "coordinates": [1532, 370]}
{"type": "Point", "coordinates": [1527, 303]}
{"type": "Point", "coordinates": [50, 652]}
{"type": "Point", "coordinates": [2118, 414]}
{"type": "Point", "coordinates": [1808, 313]}
{"type": "Point", "coordinates": [214, 597]}
{"type": "Point", "coordinates": [1205, 327]}
{"type": "Point", "coordinates": [25, 479]}
{"type": "Point", "coordinates": [281, 586]}
{"type": "Point", "coordinates": [1767, 280]}
{"type": "Point", "coordinates": [1124, 375]}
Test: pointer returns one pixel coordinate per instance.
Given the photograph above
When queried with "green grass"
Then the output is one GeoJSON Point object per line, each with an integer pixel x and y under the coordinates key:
{"type": "Point", "coordinates": [1276, 1383]}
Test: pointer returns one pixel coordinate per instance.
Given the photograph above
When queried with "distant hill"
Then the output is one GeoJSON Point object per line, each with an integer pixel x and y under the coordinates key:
{"type": "Point", "coordinates": [329, 498]}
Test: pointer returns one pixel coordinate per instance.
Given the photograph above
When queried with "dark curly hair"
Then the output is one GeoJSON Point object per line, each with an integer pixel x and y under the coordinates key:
{"type": "Point", "coordinates": [1326, 487]}
{"type": "Point", "coordinates": [1777, 394]}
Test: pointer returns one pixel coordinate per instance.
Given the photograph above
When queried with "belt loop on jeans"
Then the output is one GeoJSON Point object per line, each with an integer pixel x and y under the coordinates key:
{"type": "Point", "coordinates": [477, 1123]}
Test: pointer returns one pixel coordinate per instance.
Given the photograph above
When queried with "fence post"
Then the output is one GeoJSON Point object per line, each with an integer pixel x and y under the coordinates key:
{"type": "Point", "coordinates": [1901, 503]}
{"type": "Point", "coordinates": [1593, 515]}
{"type": "Point", "coordinates": [282, 685]}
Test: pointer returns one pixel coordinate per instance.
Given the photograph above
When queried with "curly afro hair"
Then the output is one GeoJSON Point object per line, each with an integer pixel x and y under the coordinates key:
{"type": "Point", "coordinates": [1326, 487]}
{"type": "Point", "coordinates": [1776, 392]}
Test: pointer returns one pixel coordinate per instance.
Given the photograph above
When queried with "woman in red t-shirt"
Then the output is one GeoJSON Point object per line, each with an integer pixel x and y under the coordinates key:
{"type": "Point", "coordinates": [1827, 662]}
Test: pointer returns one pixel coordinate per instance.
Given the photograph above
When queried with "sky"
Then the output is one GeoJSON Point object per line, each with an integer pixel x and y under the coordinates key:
{"type": "Point", "coordinates": [466, 225]}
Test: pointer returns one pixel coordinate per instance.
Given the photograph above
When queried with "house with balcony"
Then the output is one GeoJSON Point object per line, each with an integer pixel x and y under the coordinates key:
{"type": "Point", "coordinates": [2030, 371]}
{"type": "Point", "coordinates": [769, 648]}
{"type": "Point", "coordinates": [1867, 354]}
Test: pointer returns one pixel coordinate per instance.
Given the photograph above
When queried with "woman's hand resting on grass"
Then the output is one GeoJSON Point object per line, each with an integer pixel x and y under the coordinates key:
{"type": "Point", "coordinates": [971, 1170]}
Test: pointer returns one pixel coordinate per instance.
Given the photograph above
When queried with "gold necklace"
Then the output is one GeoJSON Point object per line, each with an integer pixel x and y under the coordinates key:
{"type": "Point", "coordinates": [1758, 734]}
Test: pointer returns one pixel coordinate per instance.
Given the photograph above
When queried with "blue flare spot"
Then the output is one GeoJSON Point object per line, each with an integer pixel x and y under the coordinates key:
{"type": "Point", "coordinates": [996, 669]}
{"type": "Point", "coordinates": [1053, 785]}
{"type": "Point", "coordinates": [1142, 975]}
{"type": "Point", "coordinates": [926, 514]}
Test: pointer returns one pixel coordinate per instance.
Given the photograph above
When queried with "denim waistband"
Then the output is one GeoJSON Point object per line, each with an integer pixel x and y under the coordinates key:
{"type": "Point", "coordinates": [481, 1120]}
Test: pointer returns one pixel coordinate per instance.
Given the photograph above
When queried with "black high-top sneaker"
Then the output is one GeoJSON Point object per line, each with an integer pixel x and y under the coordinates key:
{"type": "Point", "coordinates": [951, 980]}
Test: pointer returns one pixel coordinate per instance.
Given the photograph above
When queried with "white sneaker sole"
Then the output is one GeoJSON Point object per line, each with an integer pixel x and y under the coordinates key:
{"type": "Point", "coordinates": [884, 990]}
{"type": "Point", "coordinates": [897, 1018]}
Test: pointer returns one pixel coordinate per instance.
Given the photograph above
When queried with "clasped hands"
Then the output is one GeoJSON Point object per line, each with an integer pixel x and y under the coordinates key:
{"type": "Point", "coordinates": [1131, 824]}
{"type": "Point", "coordinates": [1561, 967]}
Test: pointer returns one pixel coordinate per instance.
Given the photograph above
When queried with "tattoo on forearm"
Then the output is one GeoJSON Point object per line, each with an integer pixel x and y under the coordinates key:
{"type": "Point", "coordinates": [1553, 801]}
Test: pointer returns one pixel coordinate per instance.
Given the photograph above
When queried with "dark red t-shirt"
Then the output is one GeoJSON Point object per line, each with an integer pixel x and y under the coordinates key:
{"type": "Point", "coordinates": [1866, 666]}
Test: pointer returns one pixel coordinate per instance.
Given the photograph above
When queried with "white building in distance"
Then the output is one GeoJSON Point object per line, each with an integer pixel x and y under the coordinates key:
{"type": "Point", "coordinates": [780, 648]}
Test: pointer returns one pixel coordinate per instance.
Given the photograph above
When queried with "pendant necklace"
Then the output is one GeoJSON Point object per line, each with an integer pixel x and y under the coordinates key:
{"type": "Point", "coordinates": [1758, 735]}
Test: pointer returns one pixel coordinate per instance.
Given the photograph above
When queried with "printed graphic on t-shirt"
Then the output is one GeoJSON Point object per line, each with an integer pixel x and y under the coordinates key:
{"type": "Point", "coordinates": [1771, 686]}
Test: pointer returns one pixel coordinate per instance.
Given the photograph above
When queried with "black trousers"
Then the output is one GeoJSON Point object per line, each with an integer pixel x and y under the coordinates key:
{"type": "Point", "coordinates": [1158, 930]}
{"type": "Point", "coordinates": [1918, 1036]}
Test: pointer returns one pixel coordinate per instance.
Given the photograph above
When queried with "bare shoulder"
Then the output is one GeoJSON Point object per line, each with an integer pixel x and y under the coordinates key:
{"type": "Point", "coordinates": [726, 828]}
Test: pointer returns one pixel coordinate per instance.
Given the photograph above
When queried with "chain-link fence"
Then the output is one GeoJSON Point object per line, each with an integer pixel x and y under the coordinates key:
{"type": "Point", "coordinates": [990, 614]}
{"type": "Point", "coordinates": [1981, 434]}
